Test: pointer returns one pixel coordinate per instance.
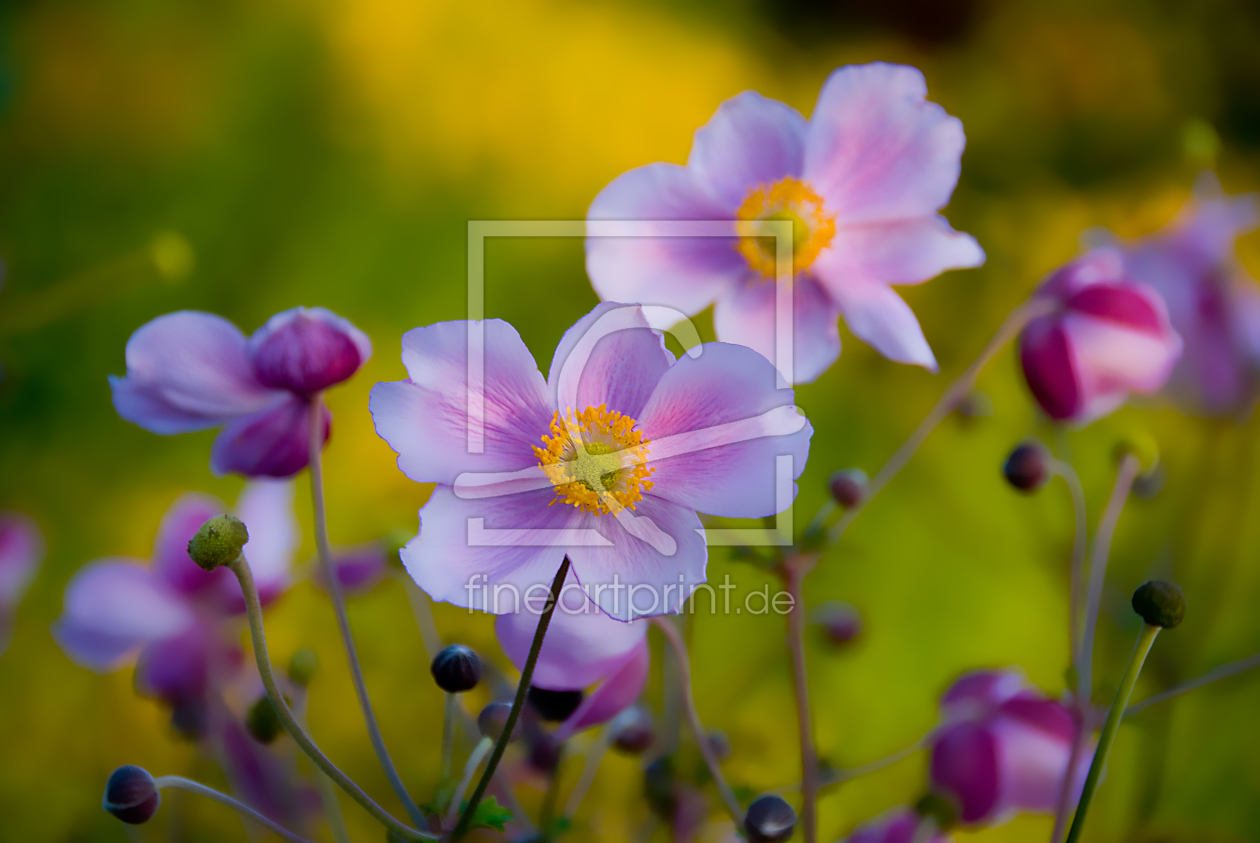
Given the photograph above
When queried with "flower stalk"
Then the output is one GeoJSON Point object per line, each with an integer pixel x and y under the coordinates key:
{"type": "Point", "coordinates": [181, 783]}
{"type": "Point", "coordinates": [795, 571]}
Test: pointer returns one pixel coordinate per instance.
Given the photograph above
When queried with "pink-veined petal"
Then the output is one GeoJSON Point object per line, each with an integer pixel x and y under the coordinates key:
{"type": "Point", "coordinates": [746, 316]}
{"type": "Point", "coordinates": [882, 319]}
{"type": "Point", "coordinates": [266, 507]}
{"type": "Point", "coordinates": [905, 251]}
{"type": "Point", "coordinates": [273, 443]}
{"type": "Point", "coordinates": [1112, 361]}
{"type": "Point", "coordinates": [583, 645]}
{"type": "Point", "coordinates": [170, 549]}
{"type": "Point", "coordinates": [964, 764]}
{"type": "Point", "coordinates": [614, 695]}
{"type": "Point", "coordinates": [877, 150]}
{"type": "Point", "coordinates": [306, 350]}
{"type": "Point", "coordinates": [426, 418]}
{"type": "Point", "coordinates": [750, 141]}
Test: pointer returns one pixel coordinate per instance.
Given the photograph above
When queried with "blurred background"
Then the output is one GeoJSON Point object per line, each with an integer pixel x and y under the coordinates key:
{"type": "Point", "coordinates": [246, 157]}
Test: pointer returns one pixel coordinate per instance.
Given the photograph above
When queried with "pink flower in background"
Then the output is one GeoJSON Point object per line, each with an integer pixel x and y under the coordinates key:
{"type": "Point", "coordinates": [1212, 302]}
{"type": "Point", "coordinates": [584, 647]}
{"type": "Point", "coordinates": [191, 371]}
{"type": "Point", "coordinates": [606, 461]}
{"type": "Point", "coordinates": [21, 551]}
{"type": "Point", "coordinates": [1108, 336]}
{"type": "Point", "coordinates": [896, 826]}
{"type": "Point", "coordinates": [358, 568]}
{"type": "Point", "coordinates": [861, 182]}
{"type": "Point", "coordinates": [1003, 748]}
{"type": "Point", "coordinates": [170, 612]}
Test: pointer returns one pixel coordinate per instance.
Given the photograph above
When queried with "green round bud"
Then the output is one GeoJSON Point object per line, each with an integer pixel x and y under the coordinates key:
{"type": "Point", "coordinates": [262, 721]}
{"type": "Point", "coordinates": [1140, 444]}
{"type": "Point", "coordinates": [218, 542]}
{"type": "Point", "coordinates": [1160, 603]}
{"type": "Point", "coordinates": [302, 666]}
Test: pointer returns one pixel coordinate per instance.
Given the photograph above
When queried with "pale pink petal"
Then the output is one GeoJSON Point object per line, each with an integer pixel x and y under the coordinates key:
{"type": "Point", "coordinates": [614, 695]}
{"type": "Point", "coordinates": [425, 419]}
{"type": "Point", "coordinates": [609, 357]}
{"type": "Point", "coordinates": [113, 607]}
{"type": "Point", "coordinates": [746, 316]}
{"type": "Point", "coordinates": [307, 350]}
{"type": "Point", "coordinates": [905, 251]}
{"type": "Point", "coordinates": [717, 427]}
{"type": "Point", "coordinates": [266, 507]}
{"type": "Point", "coordinates": [1050, 367]}
{"type": "Point", "coordinates": [751, 141]}
{"type": "Point", "coordinates": [684, 273]}
{"type": "Point", "coordinates": [273, 443]}
{"type": "Point", "coordinates": [21, 551]}
{"type": "Point", "coordinates": [882, 319]}
{"type": "Point", "coordinates": [965, 764]}
{"type": "Point", "coordinates": [188, 371]}
{"type": "Point", "coordinates": [1032, 764]}
{"type": "Point", "coordinates": [1113, 361]}
{"type": "Point", "coordinates": [490, 554]}
{"type": "Point", "coordinates": [652, 559]}
{"type": "Point", "coordinates": [583, 645]}
{"type": "Point", "coordinates": [877, 150]}
{"type": "Point", "coordinates": [170, 549]}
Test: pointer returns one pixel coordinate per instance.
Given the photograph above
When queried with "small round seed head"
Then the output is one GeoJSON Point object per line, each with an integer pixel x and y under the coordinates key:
{"type": "Point", "coordinates": [848, 487]}
{"type": "Point", "coordinates": [456, 669]}
{"type": "Point", "coordinates": [1160, 603]}
{"type": "Point", "coordinates": [302, 666]}
{"type": "Point", "coordinates": [1140, 444]}
{"type": "Point", "coordinates": [493, 719]}
{"type": "Point", "coordinates": [1027, 468]}
{"type": "Point", "coordinates": [840, 622]}
{"type": "Point", "coordinates": [262, 721]}
{"type": "Point", "coordinates": [218, 542]}
{"type": "Point", "coordinates": [770, 819]}
{"type": "Point", "coordinates": [555, 706]}
{"type": "Point", "coordinates": [131, 795]}
{"type": "Point", "coordinates": [635, 732]}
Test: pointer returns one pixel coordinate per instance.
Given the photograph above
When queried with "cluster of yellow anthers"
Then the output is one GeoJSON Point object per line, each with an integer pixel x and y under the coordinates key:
{"type": "Point", "coordinates": [596, 460]}
{"type": "Point", "coordinates": [794, 201]}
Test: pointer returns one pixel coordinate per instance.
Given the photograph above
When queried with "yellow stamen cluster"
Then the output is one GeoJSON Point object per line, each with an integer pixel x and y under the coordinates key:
{"type": "Point", "coordinates": [795, 201]}
{"type": "Point", "coordinates": [596, 460]}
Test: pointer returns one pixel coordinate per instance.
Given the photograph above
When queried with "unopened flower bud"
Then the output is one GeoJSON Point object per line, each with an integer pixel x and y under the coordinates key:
{"type": "Point", "coordinates": [263, 721]}
{"type": "Point", "coordinates": [1150, 484]}
{"type": "Point", "coordinates": [544, 751]}
{"type": "Point", "coordinates": [1160, 603]}
{"type": "Point", "coordinates": [493, 719]}
{"type": "Point", "coordinates": [770, 819]}
{"type": "Point", "coordinates": [131, 795]}
{"type": "Point", "coordinates": [218, 542]}
{"type": "Point", "coordinates": [555, 706]}
{"type": "Point", "coordinates": [1028, 466]}
{"type": "Point", "coordinates": [302, 666]}
{"type": "Point", "coordinates": [634, 730]}
{"type": "Point", "coordinates": [456, 669]}
{"type": "Point", "coordinates": [848, 487]}
{"type": "Point", "coordinates": [659, 789]}
{"type": "Point", "coordinates": [839, 621]}
{"type": "Point", "coordinates": [1140, 444]}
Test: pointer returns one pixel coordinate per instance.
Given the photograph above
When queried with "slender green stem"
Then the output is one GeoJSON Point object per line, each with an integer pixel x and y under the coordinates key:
{"type": "Point", "coordinates": [1223, 672]}
{"type": "Point", "coordinates": [448, 735]}
{"type": "Point", "coordinates": [1108, 736]}
{"type": "Point", "coordinates": [332, 808]}
{"type": "Point", "coordinates": [795, 571]}
{"type": "Point", "coordinates": [339, 608]}
{"type": "Point", "coordinates": [547, 812]}
{"type": "Point", "coordinates": [223, 799]}
{"type": "Point", "coordinates": [838, 776]}
{"type": "Point", "coordinates": [527, 676]}
{"type": "Point", "coordinates": [1079, 544]}
{"type": "Point", "coordinates": [693, 716]}
{"type": "Point", "coordinates": [470, 767]}
{"type": "Point", "coordinates": [957, 391]}
{"type": "Point", "coordinates": [254, 611]}
{"type": "Point", "coordinates": [590, 766]}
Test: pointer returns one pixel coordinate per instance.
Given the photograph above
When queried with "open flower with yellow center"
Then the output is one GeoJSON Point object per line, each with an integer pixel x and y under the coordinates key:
{"type": "Point", "coordinates": [606, 460]}
{"type": "Point", "coordinates": [861, 184]}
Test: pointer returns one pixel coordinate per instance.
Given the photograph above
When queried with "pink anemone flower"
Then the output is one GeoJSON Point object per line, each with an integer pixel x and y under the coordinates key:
{"type": "Point", "coordinates": [192, 371]}
{"type": "Point", "coordinates": [1003, 748]}
{"type": "Point", "coordinates": [606, 461]}
{"type": "Point", "coordinates": [584, 647]}
{"type": "Point", "coordinates": [171, 613]}
{"type": "Point", "coordinates": [898, 825]}
{"type": "Point", "coordinates": [21, 551]}
{"type": "Point", "coordinates": [861, 181]}
{"type": "Point", "coordinates": [1108, 336]}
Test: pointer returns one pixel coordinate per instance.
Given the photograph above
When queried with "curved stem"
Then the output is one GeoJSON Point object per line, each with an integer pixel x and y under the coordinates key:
{"type": "Point", "coordinates": [470, 767]}
{"type": "Point", "coordinates": [590, 766]}
{"type": "Point", "coordinates": [1063, 810]}
{"type": "Point", "coordinates": [522, 688]}
{"type": "Point", "coordinates": [1108, 736]}
{"type": "Point", "coordinates": [547, 813]}
{"type": "Point", "coordinates": [339, 608]}
{"type": "Point", "coordinates": [850, 773]}
{"type": "Point", "coordinates": [795, 571]}
{"type": "Point", "coordinates": [1127, 473]}
{"type": "Point", "coordinates": [1223, 672]}
{"type": "Point", "coordinates": [254, 611]}
{"type": "Point", "coordinates": [693, 716]}
{"type": "Point", "coordinates": [957, 391]}
{"type": "Point", "coordinates": [332, 808]}
{"type": "Point", "coordinates": [1079, 542]}
{"type": "Point", "coordinates": [191, 786]}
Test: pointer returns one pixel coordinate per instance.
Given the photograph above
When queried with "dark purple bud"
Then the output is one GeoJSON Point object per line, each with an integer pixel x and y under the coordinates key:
{"type": "Point", "coordinates": [218, 542]}
{"type": "Point", "coordinates": [493, 720]}
{"type": "Point", "coordinates": [131, 795]}
{"type": "Point", "coordinates": [544, 751]}
{"type": "Point", "coordinates": [720, 744]}
{"type": "Point", "coordinates": [848, 487]}
{"type": "Point", "coordinates": [1160, 603]}
{"type": "Point", "coordinates": [635, 731]}
{"type": "Point", "coordinates": [555, 706]}
{"type": "Point", "coordinates": [307, 350]}
{"type": "Point", "coordinates": [456, 669]}
{"type": "Point", "coordinates": [263, 721]}
{"type": "Point", "coordinates": [838, 620]}
{"type": "Point", "coordinates": [1028, 466]}
{"type": "Point", "coordinates": [770, 819]}
{"type": "Point", "coordinates": [189, 718]}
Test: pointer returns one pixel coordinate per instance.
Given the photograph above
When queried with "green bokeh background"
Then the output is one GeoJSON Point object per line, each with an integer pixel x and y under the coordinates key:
{"type": "Point", "coordinates": [331, 152]}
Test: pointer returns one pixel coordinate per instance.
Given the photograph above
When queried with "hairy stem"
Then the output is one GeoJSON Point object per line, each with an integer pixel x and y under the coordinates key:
{"type": "Point", "coordinates": [339, 608]}
{"type": "Point", "coordinates": [1108, 736]}
{"type": "Point", "coordinates": [957, 391]}
{"type": "Point", "coordinates": [191, 786]}
{"type": "Point", "coordinates": [795, 571]}
{"type": "Point", "coordinates": [693, 716]}
{"type": "Point", "coordinates": [527, 675]}
{"type": "Point", "coordinates": [254, 610]}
